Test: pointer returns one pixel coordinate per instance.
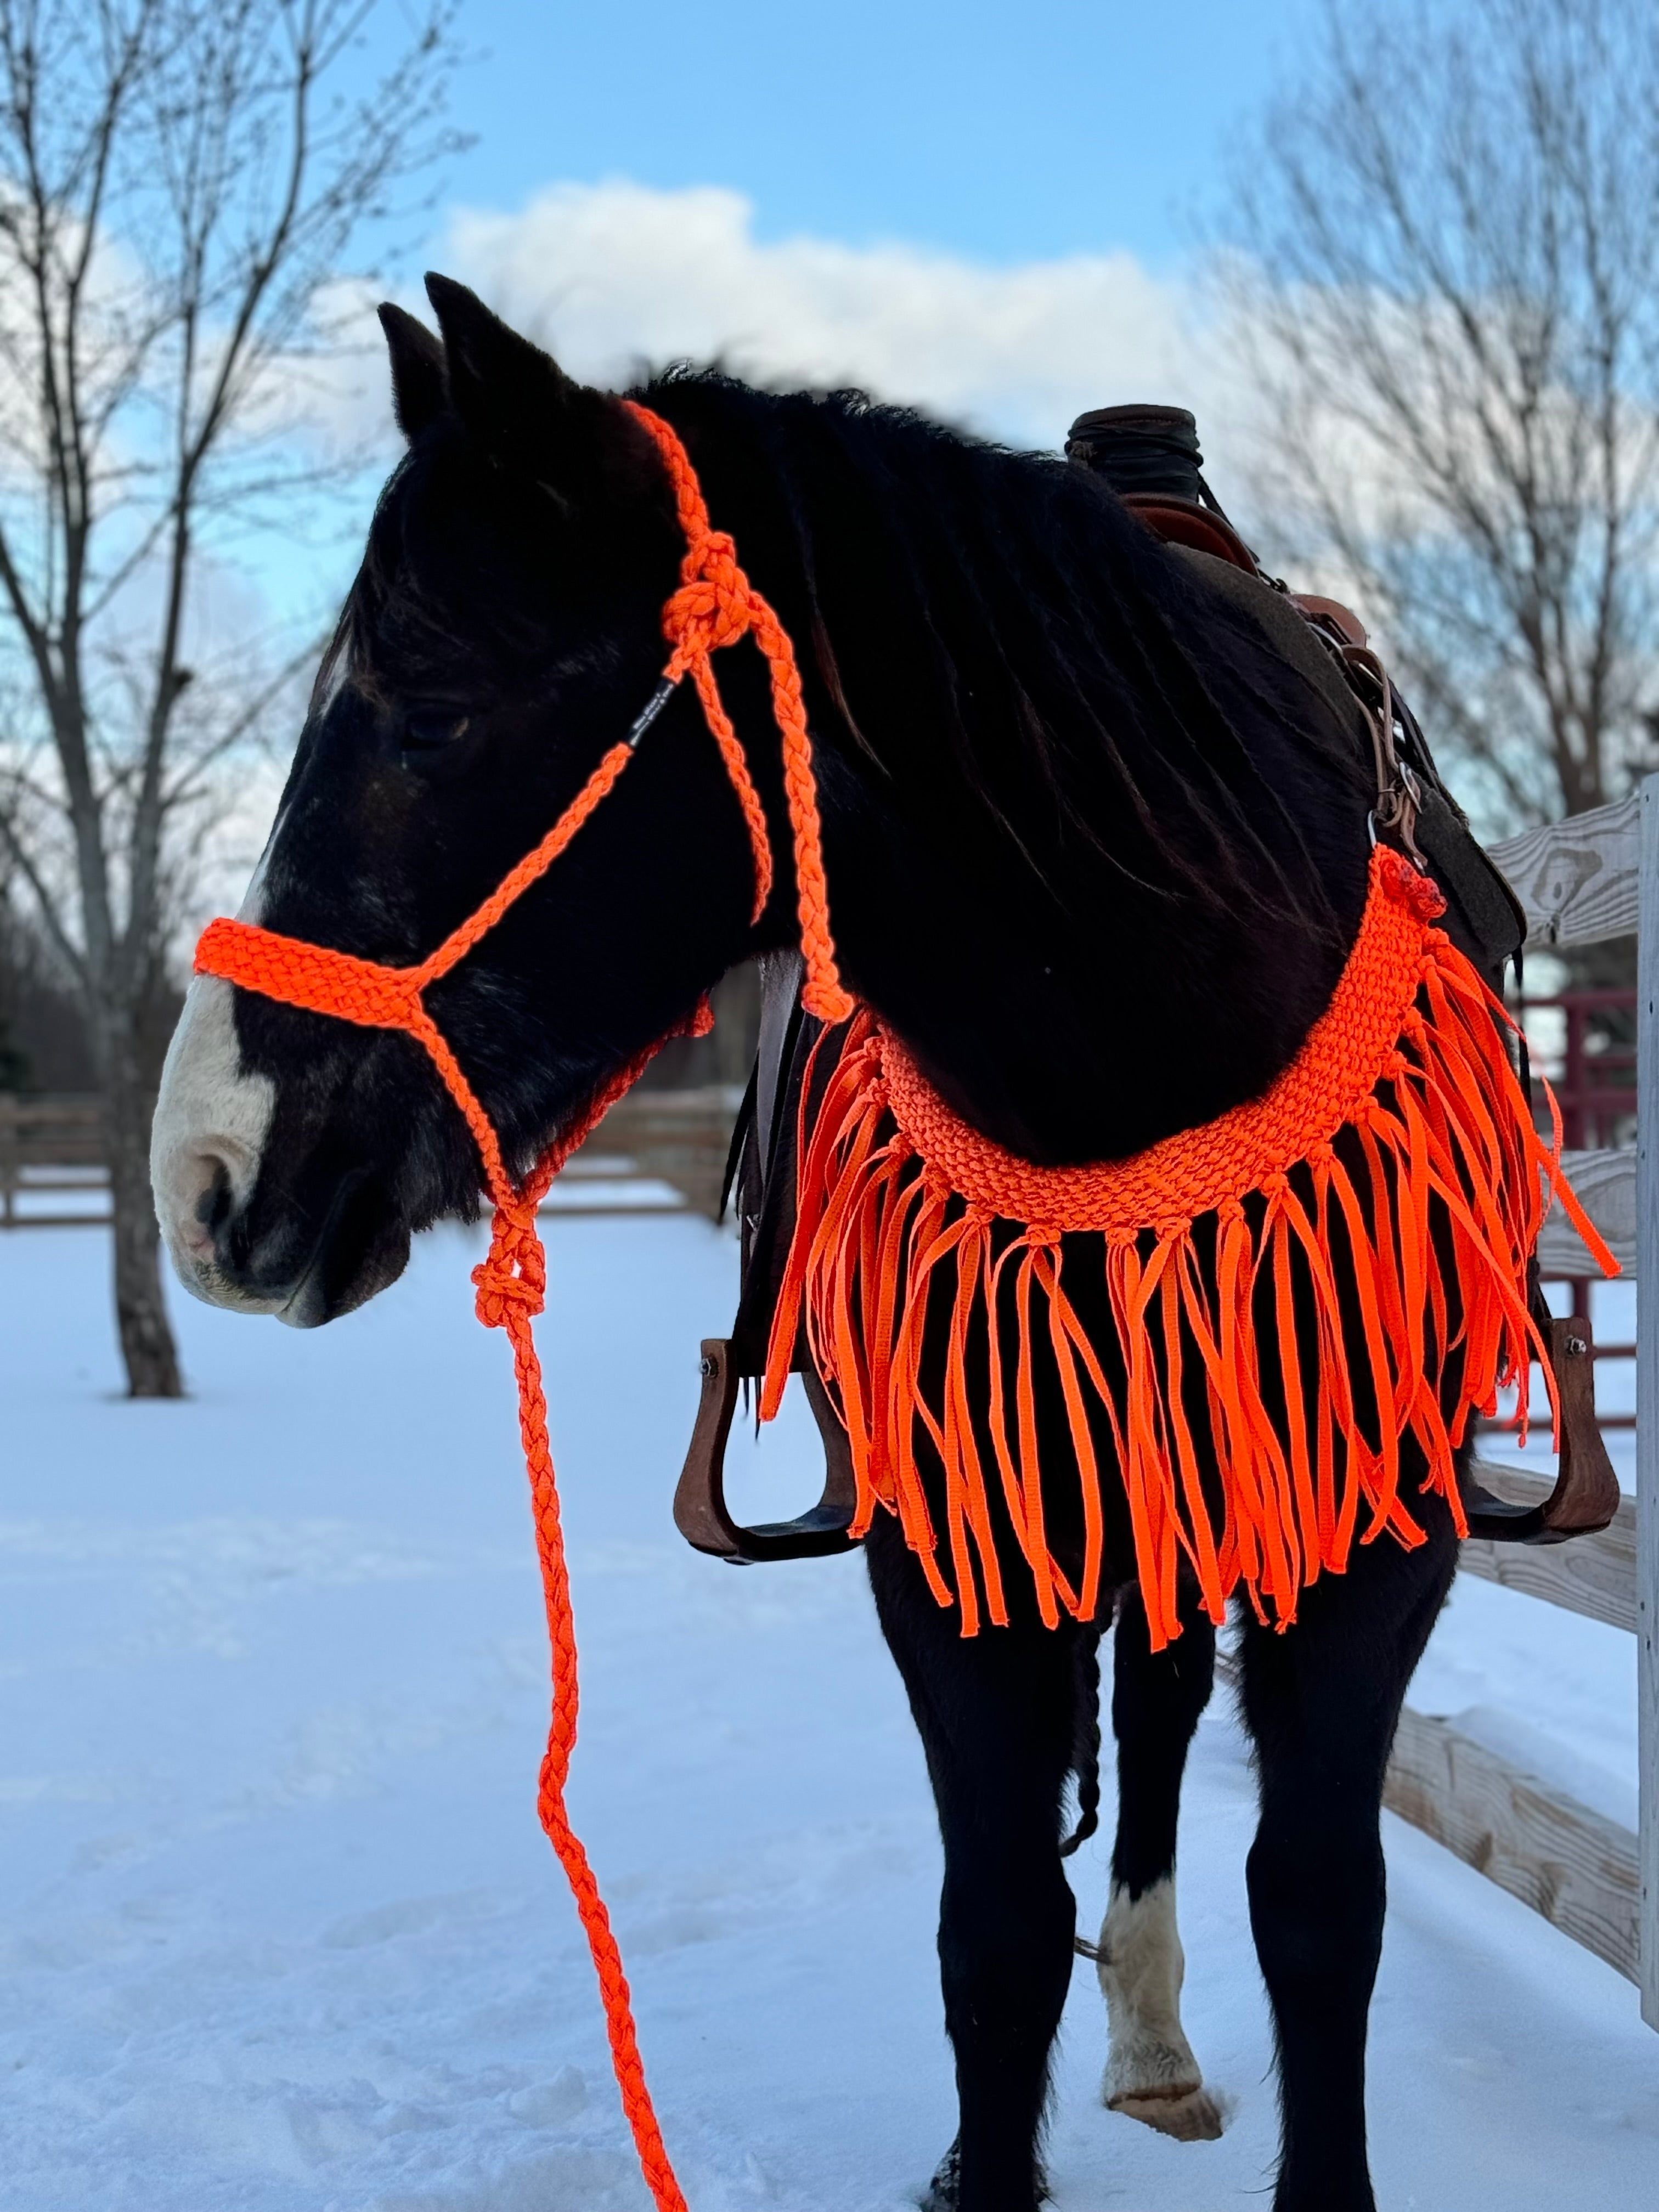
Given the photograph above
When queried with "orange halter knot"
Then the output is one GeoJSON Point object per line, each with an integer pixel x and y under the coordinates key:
{"type": "Point", "coordinates": [716, 605]}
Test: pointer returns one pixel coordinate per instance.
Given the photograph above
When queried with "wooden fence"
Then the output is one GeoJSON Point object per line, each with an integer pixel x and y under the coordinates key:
{"type": "Point", "coordinates": [677, 1136]}
{"type": "Point", "coordinates": [49, 1147]}
{"type": "Point", "coordinates": [1595, 876]}
{"type": "Point", "coordinates": [657, 1151]}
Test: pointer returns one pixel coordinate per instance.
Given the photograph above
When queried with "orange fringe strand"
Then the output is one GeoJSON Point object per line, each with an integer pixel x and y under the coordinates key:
{"type": "Point", "coordinates": [900, 1201]}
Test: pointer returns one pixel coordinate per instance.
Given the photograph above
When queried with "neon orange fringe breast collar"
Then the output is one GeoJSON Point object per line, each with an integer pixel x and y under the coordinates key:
{"type": "Point", "coordinates": [1403, 1095]}
{"type": "Point", "coordinates": [895, 1191]}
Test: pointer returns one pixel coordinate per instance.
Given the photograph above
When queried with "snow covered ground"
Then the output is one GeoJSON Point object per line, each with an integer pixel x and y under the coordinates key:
{"type": "Point", "coordinates": [279, 1933]}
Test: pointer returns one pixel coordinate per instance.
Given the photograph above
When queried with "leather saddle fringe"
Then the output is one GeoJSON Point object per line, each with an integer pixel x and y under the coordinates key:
{"type": "Point", "coordinates": [1389, 1182]}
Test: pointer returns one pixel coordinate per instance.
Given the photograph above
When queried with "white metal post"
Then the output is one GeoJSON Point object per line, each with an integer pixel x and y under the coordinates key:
{"type": "Point", "coordinates": [1647, 1398]}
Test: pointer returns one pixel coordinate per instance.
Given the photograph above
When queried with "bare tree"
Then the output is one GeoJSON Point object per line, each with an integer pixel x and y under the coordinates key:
{"type": "Point", "coordinates": [1449, 284]}
{"type": "Point", "coordinates": [179, 180]}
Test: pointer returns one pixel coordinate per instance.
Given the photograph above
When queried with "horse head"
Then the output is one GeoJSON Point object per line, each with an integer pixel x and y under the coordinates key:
{"type": "Point", "coordinates": [503, 631]}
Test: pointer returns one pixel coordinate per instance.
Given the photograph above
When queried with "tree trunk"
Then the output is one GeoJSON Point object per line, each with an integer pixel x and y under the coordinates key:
{"type": "Point", "coordinates": [141, 1315]}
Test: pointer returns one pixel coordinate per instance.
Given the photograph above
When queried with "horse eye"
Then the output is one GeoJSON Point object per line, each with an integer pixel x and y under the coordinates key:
{"type": "Point", "coordinates": [426, 730]}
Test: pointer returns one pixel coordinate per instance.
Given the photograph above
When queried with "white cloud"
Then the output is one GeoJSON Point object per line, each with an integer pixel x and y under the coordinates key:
{"type": "Point", "coordinates": [611, 276]}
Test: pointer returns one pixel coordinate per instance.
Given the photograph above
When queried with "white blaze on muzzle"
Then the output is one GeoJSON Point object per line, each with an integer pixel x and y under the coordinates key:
{"type": "Point", "coordinates": [212, 1119]}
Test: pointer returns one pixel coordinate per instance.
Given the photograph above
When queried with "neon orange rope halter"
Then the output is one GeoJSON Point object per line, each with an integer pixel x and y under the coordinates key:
{"type": "Point", "coordinates": [716, 605]}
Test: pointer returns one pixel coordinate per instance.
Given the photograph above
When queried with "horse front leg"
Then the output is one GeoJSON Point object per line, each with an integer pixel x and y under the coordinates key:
{"type": "Point", "coordinates": [1322, 1701]}
{"type": "Point", "coordinates": [1158, 1698]}
{"type": "Point", "coordinates": [997, 1717]}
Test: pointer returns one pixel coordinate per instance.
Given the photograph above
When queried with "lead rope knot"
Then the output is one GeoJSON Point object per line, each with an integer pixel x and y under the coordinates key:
{"type": "Point", "coordinates": [714, 606]}
{"type": "Point", "coordinates": [513, 1276]}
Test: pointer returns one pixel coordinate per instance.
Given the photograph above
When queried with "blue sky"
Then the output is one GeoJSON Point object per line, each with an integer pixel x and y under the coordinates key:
{"type": "Point", "coordinates": [985, 210]}
{"type": "Point", "coordinates": [1002, 132]}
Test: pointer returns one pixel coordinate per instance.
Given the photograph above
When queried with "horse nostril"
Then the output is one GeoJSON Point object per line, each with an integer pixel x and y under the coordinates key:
{"type": "Point", "coordinates": [216, 1198]}
{"type": "Point", "coordinates": [197, 1195]}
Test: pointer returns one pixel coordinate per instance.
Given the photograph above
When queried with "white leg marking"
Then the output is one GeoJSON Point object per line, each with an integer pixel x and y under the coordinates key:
{"type": "Point", "coordinates": [211, 1120]}
{"type": "Point", "coordinates": [1151, 2073]}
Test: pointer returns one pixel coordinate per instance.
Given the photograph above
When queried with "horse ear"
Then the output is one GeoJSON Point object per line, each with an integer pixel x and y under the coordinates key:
{"type": "Point", "coordinates": [507, 391]}
{"type": "Point", "coordinates": [418, 393]}
{"type": "Point", "coordinates": [578, 444]}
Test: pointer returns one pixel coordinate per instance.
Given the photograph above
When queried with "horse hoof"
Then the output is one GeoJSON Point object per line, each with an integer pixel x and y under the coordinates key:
{"type": "Point", "coordinates": [1190, 2114]}
{"type": "Point", "coordinates": [946, 2185]}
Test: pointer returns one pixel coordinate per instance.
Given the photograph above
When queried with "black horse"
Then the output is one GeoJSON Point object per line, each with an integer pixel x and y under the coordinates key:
{"type": "Point", "coordinates": [1097, 848]}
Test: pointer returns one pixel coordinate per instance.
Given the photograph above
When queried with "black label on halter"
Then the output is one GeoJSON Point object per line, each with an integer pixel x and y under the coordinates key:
{"type": "Point", "coordinates": [652, 707]}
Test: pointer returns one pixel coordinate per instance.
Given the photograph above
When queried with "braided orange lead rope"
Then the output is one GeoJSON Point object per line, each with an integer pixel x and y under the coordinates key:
{"type": "Point", "coordinates": [714, 606]}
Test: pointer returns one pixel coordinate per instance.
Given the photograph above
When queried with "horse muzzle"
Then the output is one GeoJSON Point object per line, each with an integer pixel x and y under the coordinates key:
{"type": "Point", "coordinates": [306, 1262]}
{"type": "Point", "coordinates": [305, 1239]}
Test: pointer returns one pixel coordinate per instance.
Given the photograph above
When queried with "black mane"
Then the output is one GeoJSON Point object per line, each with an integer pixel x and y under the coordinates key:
{"type": "Point", "coordinates": [1073, 787]}
{"type": "Point", "coordinates": [1096, 700]}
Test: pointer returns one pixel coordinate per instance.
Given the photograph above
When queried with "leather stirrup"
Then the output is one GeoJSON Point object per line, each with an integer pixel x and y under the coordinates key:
{"type": "Point", "coordinates": [700, 1513]}
{"type": "Point", "coordinates": [1586, 1493]}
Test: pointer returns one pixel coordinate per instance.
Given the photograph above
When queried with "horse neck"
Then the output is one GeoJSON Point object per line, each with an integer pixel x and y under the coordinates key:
{"type": "Point", "coordinates": [966, 619]}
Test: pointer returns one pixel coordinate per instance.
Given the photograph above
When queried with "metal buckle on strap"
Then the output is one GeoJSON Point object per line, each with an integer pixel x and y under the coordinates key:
{"type": "Point", "coordinates": [1397, 809]}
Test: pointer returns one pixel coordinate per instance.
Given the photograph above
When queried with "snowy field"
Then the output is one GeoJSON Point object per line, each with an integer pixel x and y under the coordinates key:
{"type": "Point", "coordinates": [280, 1933]}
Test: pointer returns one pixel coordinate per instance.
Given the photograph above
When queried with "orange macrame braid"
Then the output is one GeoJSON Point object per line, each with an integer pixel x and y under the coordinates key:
{"type": "Point", "coordinates": [897, 1197]}
{"type": "Point", "coordinates": [716, 605]}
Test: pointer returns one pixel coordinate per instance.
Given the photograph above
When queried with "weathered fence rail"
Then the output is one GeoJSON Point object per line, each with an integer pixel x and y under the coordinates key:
{"type": "Point", "coordinates": [679, 1136]}
{"type": "Point", "coordinates": [1593, 1575]}
{"type": "Point", "coordinates": [1571, 1864]}
{"type": "Point", "coordinates": [49, 1146]}
{"type": "Point", "coordinates": [1605, 1182]}
{"type": "Point", "coordinates": [53, 1146]}
{"type": "Point", "coordinates": [1579, 880]}
{"type": "Point", "coordinates": [1593, 878]}
{"type": "Point", "coordinates": [1574, 1866]}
